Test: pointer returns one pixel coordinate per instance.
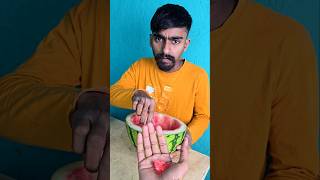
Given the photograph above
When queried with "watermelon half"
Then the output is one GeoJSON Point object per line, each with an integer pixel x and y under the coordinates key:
{"type": "Point", "coordinates": [173, 129]}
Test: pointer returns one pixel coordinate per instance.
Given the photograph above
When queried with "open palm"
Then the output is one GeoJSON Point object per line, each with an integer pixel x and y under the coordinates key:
{"type": "Point", "coordinates": [152, 146]}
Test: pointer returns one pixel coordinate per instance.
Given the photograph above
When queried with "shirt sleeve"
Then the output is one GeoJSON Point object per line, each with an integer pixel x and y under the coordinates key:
{"type": "Point", "coordinates": [122, 91]}
{"type": "Point", "coordinates": [38, 97]}
{"type": "Point", "coordinates": [201, 116]}
{"type": "Point", "coordinates": [293, 138]}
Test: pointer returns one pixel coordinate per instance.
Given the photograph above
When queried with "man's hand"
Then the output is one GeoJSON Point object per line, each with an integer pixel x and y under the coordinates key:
{"type": "Point", "coordinates": [151, 146]}
{"type": "Point", "coordinates": [188, 136]}
{"type": "Point", "coordinates": [90, 126]}
{"type": "Point", "coordinates": [144, 106]}
{"type": "Point", "coordinates": [179, 170]}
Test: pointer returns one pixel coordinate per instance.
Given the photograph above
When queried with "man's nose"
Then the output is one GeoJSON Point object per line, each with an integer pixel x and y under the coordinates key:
{"type": "Point", "coordinates": [166, 47]}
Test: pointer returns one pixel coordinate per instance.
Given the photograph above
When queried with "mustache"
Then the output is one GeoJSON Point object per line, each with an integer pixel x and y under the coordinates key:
{"type": "Point", "coordinates": [164, 56]}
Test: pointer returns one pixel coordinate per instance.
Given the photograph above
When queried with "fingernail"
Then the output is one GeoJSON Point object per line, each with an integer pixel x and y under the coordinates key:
{"type": "Point", "coordinates": [159, 128]}
{"type": "Point", "coordinates": [139, 135]}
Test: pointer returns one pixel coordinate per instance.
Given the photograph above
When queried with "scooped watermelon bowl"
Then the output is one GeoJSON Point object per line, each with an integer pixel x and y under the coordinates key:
{"type": "Point", "coordinates": [173, 129]}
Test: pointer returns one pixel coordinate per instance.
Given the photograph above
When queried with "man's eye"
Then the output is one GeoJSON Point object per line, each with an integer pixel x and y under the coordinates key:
{"type": "Point", "coordinates": [158, 39]}
{"type": "Point", "coordinates": [175, 41]}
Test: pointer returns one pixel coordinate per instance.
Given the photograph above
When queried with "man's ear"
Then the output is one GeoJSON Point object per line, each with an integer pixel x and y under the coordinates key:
{"type": "Point", "coordinates": [186, 45]}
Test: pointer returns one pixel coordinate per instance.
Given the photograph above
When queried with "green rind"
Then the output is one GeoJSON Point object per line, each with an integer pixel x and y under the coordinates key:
{"type": "Point", "coordinates": [173, 140]}
{"type": "Point", "coordinates": [133, 134]}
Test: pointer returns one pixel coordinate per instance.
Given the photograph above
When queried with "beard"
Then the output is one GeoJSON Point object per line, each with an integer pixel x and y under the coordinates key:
{"type": "Point", "coordinates": [165, 62]}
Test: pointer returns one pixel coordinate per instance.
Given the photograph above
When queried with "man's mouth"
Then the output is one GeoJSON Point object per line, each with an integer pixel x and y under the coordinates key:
{"type": "Point", "coordinates": [164, 57]}
{"type": "Point", "coordinates": [166, 61]}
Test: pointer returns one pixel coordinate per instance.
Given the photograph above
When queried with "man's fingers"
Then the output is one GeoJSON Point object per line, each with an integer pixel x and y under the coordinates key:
{"type": "Point", "coordinates": [134, 104]}
{"type": "Point", "coordinates": [153, 139]}
{"type": "Point", "coordinates": [93, 175]}
{"type": "Point", "coordinates": [151, 111]}
{"type": "Point", "coordinates": [188, 136]}
{"type": "Point", "coordinates": [144, 106]}
{"type": "Point", "coordinates": [146, 141]}
{"type": "Point", "coordinates": [135, 101]}
{"type": "Point", "coordinates": [104, 168]}
{"type": "Point", "coordinates": [140, 106]}
{"type": "Point", "coordinates": [144, 113]}
{"type": "Point", "coordinates": [95, 144]}
{"type": "Point", "coordinates": [80, 128]}
{"type": "Point", "coordinates": [103, 121]}
{"type": "Point", "coordinates": [175, 156]}
{"type": "Point", "coordinates": [184, 150]}
{"type": "Point", "coordinates": [94, 151]}
{"type": "Point", "coordinates": [140, 149]}
{"type": "Point", "coordinates": [162, 140]}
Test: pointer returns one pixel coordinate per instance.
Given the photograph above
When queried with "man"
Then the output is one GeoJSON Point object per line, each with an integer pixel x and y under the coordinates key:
{"type": "Point", "coordinates": [265, 109]}
{"type": "Point", "coordinates": [41, 102]}
{"type": "Point", "coordinates": [167, 83]}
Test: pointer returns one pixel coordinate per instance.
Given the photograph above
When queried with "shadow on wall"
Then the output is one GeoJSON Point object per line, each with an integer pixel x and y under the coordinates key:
{"type": "Point", "coordinates": [23, 25]}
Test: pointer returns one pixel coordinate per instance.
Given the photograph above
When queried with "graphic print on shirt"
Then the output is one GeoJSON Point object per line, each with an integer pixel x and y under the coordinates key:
{"type": "Point", "coordinates": [161, 97]}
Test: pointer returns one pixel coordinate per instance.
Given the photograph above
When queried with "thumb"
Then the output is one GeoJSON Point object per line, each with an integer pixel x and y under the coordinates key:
{"type": "Point", "coordinates": [184, 151]}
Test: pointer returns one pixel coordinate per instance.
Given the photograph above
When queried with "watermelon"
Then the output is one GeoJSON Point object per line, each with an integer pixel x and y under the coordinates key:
{"type": "Point", "coordinates": [173, 129]}
{"type": "Point", "coordinates": [79, 173]}
{"type": "Point", "coordinates": [73, 171]}
{"type": "Point", "coordinates": [160, 166]}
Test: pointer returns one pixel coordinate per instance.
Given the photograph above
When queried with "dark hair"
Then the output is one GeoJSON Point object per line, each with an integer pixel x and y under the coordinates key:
{"type": "Point", "coordinates": [170, 16]}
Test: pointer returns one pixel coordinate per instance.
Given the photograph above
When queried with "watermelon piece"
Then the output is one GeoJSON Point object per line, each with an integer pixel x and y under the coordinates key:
{"type": "Point", "coordinates": [136, 120]}
{"type": "Point", "coordinates": [79, 174]}
{"type": "Point", "coordinates": [173, 129]}
{"type": "Point", "coordinates": [73, 171]}
{"type": "Point", "coordinates": [160, 166]}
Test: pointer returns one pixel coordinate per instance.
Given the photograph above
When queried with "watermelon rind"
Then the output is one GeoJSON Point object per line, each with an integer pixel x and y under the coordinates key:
{"type": "Point", "coordinates": [173, 137]}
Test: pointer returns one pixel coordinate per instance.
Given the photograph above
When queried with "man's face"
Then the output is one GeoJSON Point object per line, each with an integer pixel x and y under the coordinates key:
{"type": "Point", "coordinates": [168, 46]}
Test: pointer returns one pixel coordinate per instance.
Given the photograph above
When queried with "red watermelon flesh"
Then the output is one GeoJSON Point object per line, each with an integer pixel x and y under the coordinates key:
{"type": "Point", "coordinates": [136, 119]}
{"type": "Point", "coordinates": [166, 122]}
{"type": "Point", "coordinates": [79, 174]}
{"type": "Point", "coordinates": [160, 166]}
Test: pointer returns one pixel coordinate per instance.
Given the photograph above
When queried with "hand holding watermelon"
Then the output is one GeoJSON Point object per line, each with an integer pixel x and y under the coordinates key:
{"type": "Point", "coordinates": [154, 161]}
{"type": "Point", "coordinates": [187, 136]}
{"type": "Point", "coordinates": [179, 170]}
